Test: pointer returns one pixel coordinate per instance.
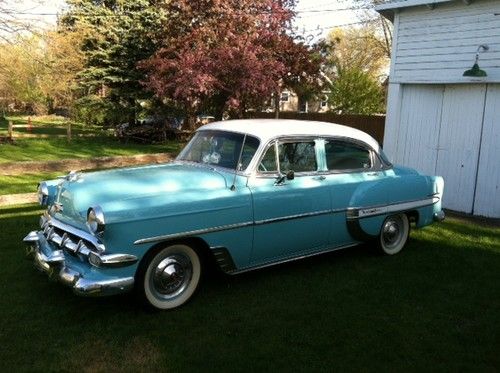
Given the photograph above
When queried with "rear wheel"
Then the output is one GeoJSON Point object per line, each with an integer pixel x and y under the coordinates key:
{"type": "Point", "coordinates": [170, 277]}
{"type": "Point", "coordinates": [394, 234]}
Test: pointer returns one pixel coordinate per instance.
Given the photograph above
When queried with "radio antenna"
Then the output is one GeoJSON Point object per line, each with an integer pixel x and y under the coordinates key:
{"type": "Point", "coordinates": [238, 164]}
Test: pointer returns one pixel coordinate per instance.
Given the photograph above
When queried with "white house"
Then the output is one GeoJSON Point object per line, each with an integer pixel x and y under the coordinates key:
{"type": "Point", "coordinates": [438, 120]}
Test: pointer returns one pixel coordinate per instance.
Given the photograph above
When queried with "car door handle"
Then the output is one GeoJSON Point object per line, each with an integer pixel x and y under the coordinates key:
{"type": "Point", "coordinates": [319, 178]}
{"type": "Point", "coordinates": [372, 173]}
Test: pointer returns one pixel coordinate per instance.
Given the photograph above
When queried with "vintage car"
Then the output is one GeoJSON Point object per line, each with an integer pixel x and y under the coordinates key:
{"type": "Point", "coordinates": [242, 194]}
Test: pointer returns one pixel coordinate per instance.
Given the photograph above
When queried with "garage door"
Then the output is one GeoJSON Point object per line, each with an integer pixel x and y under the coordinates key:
{"type": "Point", "coordinates": [487, 202]}
{"type": "Point", "coordinates": [440, 134]}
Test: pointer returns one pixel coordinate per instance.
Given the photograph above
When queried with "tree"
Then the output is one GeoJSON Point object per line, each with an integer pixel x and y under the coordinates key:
{"type": "Point", "coordinates": [356, 61]}
{"type": "Point", "coordinates": [38, 72]}
{"type": "Point", "coordinates": [233, 54]}
{"type": "Point", "coordinates": [357, 47]}
{"type": "Point", "coordinates": [355, 91]}
{"type": "Point", "coordinates": [116, 35]}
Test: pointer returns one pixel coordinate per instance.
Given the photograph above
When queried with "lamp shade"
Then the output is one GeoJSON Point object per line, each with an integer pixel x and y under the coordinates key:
{"type": "Point", "coordinates": [475, 72]}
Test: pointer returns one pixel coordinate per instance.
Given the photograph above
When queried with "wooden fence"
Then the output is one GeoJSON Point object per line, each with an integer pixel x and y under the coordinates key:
{"type": "Point", "coordinates": [371, 124]}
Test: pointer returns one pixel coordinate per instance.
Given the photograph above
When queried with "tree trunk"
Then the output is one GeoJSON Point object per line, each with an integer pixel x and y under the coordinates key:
{"type": "Point", "coordinates": [277, 97]}
{"type": "Point", "coordinates": [220, 105]}
{"type": "Point", "coordinates": [190, 120]}
{"type": "Point", "coordinates": [132, 112]}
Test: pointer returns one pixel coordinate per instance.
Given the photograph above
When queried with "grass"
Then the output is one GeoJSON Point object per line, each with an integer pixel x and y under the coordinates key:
{"type": "Point", "coordinates": [56, 148]}
{"type": "Point", "coordinates": [435, 306]}
{"type": "Point", "coordinates": [25, 183]}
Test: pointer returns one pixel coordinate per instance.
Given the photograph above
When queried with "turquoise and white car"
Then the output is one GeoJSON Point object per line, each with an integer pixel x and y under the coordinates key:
{"type": "Point", "coordinates": [243, 194]}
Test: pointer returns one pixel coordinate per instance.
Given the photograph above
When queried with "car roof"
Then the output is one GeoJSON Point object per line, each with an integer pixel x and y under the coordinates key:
{"type": "Point", "coordinates": [268, 129]}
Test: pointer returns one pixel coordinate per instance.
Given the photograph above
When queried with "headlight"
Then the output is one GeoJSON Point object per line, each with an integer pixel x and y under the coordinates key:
{"type": "Point", "coordinates": [95, 220]}
{"type": "Point", "coordinates": [43, 193]}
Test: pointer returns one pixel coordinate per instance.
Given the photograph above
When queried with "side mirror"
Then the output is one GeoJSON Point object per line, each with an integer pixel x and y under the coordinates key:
{"type": "Point", "coordinates": [290, 175]}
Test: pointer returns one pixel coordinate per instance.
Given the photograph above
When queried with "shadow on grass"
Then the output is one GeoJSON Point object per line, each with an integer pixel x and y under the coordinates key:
{"type": "Point", "coordinates": [434, 306]}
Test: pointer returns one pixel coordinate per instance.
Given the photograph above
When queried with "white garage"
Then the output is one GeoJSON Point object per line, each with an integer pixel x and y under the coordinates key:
{"type": "Point", "coordinates": [438, 120]}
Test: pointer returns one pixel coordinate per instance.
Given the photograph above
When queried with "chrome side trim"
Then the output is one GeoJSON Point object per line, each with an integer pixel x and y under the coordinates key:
{"type": "Point", "coordinates": [352, 213]}
{"type": "Point", "coordinates": [192, 233]}
{"type": "Point", "coordinates": [297, 216]}
{"type": "Point", "coordinates": [359, 213]}
{"type": "Point", "coordinates": [269, 264]}
{"type": "Point", "coordinates": [235, 226]}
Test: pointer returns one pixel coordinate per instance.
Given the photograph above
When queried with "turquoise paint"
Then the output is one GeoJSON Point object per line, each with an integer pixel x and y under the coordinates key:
{"type": "Point", "coordinates": [167, 199]}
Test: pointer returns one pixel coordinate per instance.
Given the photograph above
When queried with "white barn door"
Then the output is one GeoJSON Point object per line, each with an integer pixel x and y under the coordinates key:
{"type": "Point", "coordinates": [439, 133]}
{"type": "Point", "coordinates": [418, 132]}
{"type": "Point", "coordinates": [459, 143]}
{"type": "Point", "coordinates": [487, 202]}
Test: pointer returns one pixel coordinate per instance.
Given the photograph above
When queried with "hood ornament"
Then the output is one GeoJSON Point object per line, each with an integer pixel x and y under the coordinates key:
{"type": "Point", "coordinates": [72, 176]}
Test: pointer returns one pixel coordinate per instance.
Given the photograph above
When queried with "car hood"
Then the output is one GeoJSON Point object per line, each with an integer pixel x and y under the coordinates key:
{"type": "Point", "coordinates": [120, 189]}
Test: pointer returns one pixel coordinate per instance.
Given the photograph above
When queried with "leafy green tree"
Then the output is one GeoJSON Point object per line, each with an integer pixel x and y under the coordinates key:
{"type": "Point", "coordinates": [355, 91]}
{"type": "Point", "coordinates": [116, 35]}
{"type": "Point", "coordinates": [38, 72]}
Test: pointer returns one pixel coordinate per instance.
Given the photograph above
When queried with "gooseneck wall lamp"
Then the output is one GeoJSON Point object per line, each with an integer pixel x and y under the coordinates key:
{"type": "Point", "coordinates": [475, 71]}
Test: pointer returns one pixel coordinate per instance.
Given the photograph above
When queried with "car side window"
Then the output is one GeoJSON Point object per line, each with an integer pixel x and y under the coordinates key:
{"type": "Point", "coordinates": [344, 155]}
{"type": "Point", "coordinates": [297, 156]}
{"type": "Point", "coordinates": [268, 162]}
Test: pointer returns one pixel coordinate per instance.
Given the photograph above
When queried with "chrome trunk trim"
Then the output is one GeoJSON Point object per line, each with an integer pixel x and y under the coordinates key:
{"type": "Point", "coordinates": [364, 212]}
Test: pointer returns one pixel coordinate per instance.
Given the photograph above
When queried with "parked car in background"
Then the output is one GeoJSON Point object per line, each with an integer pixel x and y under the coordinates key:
{"type": "Point", "coordinates": [247, 194]}
{"type": "Point", "coordinates": [150, 129]}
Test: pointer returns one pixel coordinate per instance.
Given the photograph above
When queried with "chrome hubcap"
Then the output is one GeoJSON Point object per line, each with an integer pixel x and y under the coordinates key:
{"type": "Point", "coordinates": [391, 232]}
{"type": "Point", "coordinates": [171, 276]}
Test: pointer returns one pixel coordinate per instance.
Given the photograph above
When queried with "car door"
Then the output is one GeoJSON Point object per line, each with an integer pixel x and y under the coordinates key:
{"type": "Point", "coordinates": [348, 163]}
{"type": "Point", "coordinates": [291, 214]}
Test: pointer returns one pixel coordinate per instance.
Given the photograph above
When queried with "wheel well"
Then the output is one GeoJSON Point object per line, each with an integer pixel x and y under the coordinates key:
{"type": "Point", "coordinates": [196, 243]}
{"type": "Point", "coordinates": [413, 216]}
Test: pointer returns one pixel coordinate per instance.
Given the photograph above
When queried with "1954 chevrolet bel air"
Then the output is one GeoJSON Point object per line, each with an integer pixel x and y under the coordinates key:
{"type": "Point", "coordinates": [247, 193]}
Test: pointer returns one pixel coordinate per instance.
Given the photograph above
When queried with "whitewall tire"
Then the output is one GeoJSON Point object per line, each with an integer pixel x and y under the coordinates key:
{"type": "Point", "coordinates": [170, 277]}
{"type": "Point", "coordinates": [394, 234]}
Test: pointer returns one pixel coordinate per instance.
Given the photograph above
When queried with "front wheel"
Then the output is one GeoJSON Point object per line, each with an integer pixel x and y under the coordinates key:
{"type": "Point", "coordinates": [394, 234]}
{"type": "Point", "coordinates": [170, 277]}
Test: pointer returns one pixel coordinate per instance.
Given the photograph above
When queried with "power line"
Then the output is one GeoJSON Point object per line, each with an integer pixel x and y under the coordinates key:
{"type": "Point", "coordinates": [340, 25]}
{"type": "Point", "coordinates": [249, 12]}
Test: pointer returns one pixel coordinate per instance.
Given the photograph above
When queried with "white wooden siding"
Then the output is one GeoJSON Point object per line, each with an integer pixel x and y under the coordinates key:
{"type": "Point", "coordinates": [438, 45]}
{"type": "Point", "coordinates": [487, 201]}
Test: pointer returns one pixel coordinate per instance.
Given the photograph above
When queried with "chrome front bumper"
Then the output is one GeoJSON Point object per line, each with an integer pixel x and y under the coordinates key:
{"type": "Point", "coordinates": [53, 263]}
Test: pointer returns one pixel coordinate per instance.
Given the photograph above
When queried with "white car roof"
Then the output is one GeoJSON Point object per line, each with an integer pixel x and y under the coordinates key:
{"type": "Point", "coordinates": [267, 129]}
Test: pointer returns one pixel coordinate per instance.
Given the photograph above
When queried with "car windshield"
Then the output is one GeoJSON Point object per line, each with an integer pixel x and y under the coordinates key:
{"type": "Point", "coordinates": [220, 148]}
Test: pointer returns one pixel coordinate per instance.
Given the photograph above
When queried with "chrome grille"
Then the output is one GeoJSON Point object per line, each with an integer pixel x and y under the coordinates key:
{"type": "Point", "coordinates": [72, 240]}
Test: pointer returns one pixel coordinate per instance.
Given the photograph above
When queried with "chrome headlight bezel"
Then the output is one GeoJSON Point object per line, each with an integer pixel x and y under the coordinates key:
{"type": "Point", "coordinates": [95, 220]}
{"type": "Point", "coordinates": [43, 193]}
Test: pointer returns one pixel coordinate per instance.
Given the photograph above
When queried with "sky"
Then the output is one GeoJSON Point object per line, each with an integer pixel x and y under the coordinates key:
{"type": "Point", "coordinates": [315, 18]}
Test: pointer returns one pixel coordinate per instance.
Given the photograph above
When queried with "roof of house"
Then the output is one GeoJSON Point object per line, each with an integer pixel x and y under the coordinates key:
{"type": "Point", "coordinates": [267, 129]}
{"type": "Point", "coordinates": [388, 9]}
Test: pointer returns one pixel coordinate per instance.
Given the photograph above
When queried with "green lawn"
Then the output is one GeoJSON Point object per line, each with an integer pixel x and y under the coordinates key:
{"type": "Point", "coordinates": [56, 148]}
{"type": "Point", "coordinates": [26, 183]}
{"type": "Point", "coordinates": [434, 307]}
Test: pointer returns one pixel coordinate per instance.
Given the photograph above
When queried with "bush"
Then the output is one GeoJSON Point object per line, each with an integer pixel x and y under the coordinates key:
{"type": "Point", "coordinates": [98, 111]}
